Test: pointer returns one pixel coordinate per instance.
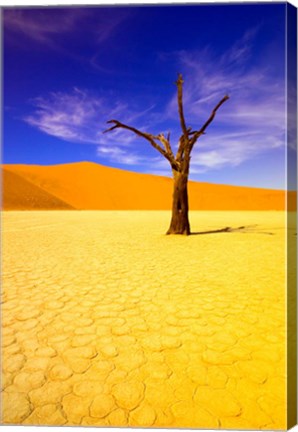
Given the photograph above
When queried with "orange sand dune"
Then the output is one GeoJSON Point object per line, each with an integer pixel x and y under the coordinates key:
{"type": "Point", "coordinates": [18, 193]}
{"type": "Point", "coordinates": [90, 186]}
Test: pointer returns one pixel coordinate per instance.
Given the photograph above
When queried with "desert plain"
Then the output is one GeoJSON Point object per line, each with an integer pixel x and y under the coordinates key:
{"type": "Point", "coordinates": [107, 321]}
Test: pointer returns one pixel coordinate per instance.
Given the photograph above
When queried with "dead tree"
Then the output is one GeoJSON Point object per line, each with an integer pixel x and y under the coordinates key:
{"type": "Point", "coordinates": [179, 163]}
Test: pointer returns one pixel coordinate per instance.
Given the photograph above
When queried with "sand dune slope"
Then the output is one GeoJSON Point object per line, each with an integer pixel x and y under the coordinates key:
{"type": "Point", "coordinates": [19, 193]}
{"type": "Point", "coordinates": [90, 186]}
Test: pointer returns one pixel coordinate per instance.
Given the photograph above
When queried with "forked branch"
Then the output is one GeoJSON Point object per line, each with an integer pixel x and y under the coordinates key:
{"type": "Point", "coordinates": [166, 152]}
{"type": "Point", "coordinates": [189, 137]}
{"type": "Point", "coordinates": [200, 132]}
{"type": "Point", "coordinates": [166, 143]}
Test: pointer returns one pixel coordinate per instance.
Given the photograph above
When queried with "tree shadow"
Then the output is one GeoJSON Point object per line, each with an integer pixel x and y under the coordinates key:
{"type": "Point", "coordinates": [242, 229]}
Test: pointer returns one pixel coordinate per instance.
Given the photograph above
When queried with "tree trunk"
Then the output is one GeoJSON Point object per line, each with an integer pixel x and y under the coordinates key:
{"type": "Point", "coordinates": [179, 222]}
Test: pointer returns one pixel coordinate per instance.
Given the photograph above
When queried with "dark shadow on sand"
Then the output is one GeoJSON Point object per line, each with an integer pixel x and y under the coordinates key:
{"type": "Point", "coordinates": [249, 229]}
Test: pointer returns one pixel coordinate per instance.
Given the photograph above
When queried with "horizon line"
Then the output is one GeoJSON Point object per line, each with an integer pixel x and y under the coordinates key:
{"type": "Point", "coordinates": [146, 174]}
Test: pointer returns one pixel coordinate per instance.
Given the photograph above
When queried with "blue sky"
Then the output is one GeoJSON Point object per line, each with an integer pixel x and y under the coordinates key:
{"type": "Point", "coordinates": [69, 70]}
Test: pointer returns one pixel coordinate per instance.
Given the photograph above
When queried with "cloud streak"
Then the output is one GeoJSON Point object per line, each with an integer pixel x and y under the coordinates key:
{"type": "Point", "coordinates": [125, 156]}
{"type": "Point", "coordinates": [80, 117]}
{"type": "Point", "coordinates": [77, 116]}
{"type": "Point", "coordinates": [41, 26]}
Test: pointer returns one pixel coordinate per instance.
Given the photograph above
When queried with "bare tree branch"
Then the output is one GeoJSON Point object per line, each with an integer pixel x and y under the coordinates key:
{"type": "Point", "coordinates": [181, 146]}
{"type": "Point", "coordinates": [197, 134]}
{"type": "Point", "coordinates": [167, 153]}
{"type": "Point", "coordinates": [179, 83]}
{"type": "Point", "coordinates": [145, 135]}
{"type": "Point", "coordinates": [166, 144]}
{"type": "Point", "coordinates": [194, 132]}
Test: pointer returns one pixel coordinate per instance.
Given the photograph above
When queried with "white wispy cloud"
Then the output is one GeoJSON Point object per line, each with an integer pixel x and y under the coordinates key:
{"type": "Point", "coordinates": [80, 117]}
{"type": "Point", "coordinates": [77, 116]}
{"type": "Point", "coordinates": [121, 155]}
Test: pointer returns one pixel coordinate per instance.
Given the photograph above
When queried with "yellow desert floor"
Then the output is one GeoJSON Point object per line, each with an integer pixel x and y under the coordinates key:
{"type": "Point", "coordinates": [107, 321]}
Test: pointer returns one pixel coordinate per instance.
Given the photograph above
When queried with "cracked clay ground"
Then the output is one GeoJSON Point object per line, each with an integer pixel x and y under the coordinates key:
{"type": "Point", "coordinates": [107, 321]}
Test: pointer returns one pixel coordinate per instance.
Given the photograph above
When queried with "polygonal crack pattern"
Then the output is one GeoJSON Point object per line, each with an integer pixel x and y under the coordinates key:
{"type": "Point", "coordinates": [106, 321]}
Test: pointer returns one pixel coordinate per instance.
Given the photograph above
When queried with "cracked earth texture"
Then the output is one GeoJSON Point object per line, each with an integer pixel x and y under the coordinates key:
{"type": "Point", "coordinates": [107, 321]}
